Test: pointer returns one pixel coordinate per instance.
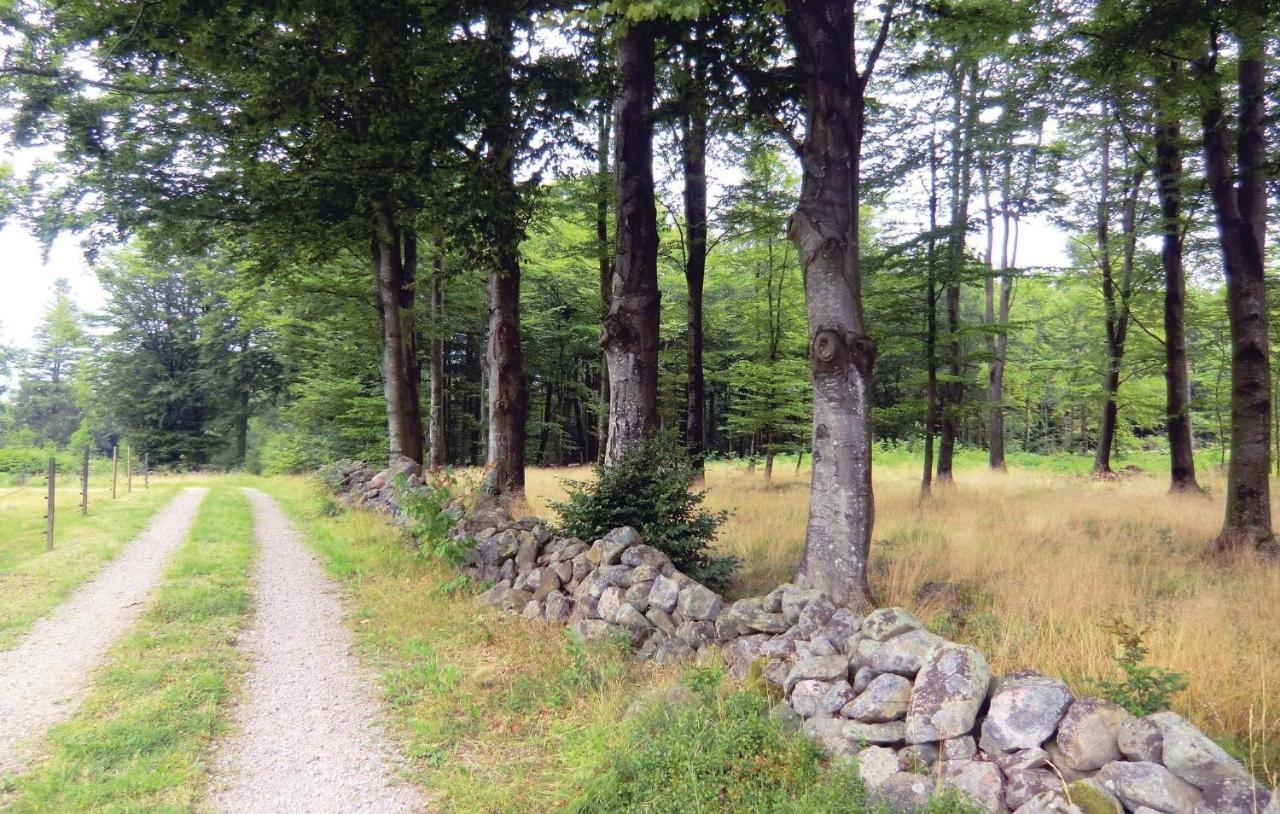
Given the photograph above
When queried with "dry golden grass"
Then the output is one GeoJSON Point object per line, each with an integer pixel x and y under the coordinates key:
{"type": "Point", "coordinates": [1044, 562]}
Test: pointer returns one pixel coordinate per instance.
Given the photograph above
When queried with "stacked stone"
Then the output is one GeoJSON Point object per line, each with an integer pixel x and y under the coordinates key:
{"type": "Point", "coordinates": [361, 485]}
{"type": "Point", "coordinates": [920, 714]}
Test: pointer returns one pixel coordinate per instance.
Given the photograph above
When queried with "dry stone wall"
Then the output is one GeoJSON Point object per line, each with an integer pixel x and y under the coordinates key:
{"type": "Point", "coordinates": [919, 713]}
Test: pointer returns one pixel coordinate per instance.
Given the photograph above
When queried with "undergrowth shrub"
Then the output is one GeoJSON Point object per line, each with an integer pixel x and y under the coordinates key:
{"type": "Point", "coordinates": [649, 489]}
{"type": "Point", "coordinates": [423, 509]}
{"type": "Point", "coordinates": [1143, 688]}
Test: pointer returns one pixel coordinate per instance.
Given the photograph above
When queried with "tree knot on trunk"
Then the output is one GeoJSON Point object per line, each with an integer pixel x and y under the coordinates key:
{"type": "Point", "coordinates": [615, 331]}
{"type": "Point", "coordinates": [833, 350]}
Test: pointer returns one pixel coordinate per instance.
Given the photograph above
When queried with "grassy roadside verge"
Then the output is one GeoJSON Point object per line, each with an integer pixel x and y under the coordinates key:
{"type": "Point", "coordinates": [141, 740]}
{"type": "Point", "coordinates": [502, 714]}
{"type": "Point", "coordinates": [33, 581]}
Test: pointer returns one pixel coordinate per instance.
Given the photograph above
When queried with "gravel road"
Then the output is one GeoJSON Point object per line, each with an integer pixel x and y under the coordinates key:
{"type": "Point", "coordinates": [307, 737]}
{"type": "Point", "coordinates": [44, 677]}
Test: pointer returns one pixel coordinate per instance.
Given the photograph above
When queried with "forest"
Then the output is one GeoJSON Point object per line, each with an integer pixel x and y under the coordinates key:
{"type": "Point", "coordinates": [1009, 255]}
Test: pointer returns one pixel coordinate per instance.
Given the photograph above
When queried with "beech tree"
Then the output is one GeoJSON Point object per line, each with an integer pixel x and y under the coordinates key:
{"type": "Point", "coordinates": [825, 231]}
{"type": "Point", "coordinates": [1237, 181]}
{"type": "Point", "coordinates": [630, 331]}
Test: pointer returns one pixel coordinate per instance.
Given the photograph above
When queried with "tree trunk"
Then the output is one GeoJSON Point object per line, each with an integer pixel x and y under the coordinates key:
{"type": "Point", "coordinates": [242, 428]}
{"type": "Point", "coordinates": [825, 231]}
{"type": "Point", "coordinates": [964, 118]}
{"type": "Point", "coordinates": [694, 161]}
{"type": "Point", "coordinates": [1168, 138]}
{"type": "Point", "coordinates": [394, 263]}
{"type": "Point", "coordinates": [630, 332]}
{"type": "Point", "coordinates": [436, 422]}
{"type": "Point", "coordinates": [1240, 208]}
{"type": "Point", "coordinates": [508, 390]}
{"type": "Point", "coordinates": [931, 327]}
{"type": "Point", "coordinates": [604, 253]}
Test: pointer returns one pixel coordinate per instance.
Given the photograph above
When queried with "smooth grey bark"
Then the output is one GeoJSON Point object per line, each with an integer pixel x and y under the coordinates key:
{"type": "Point", "coordinates": [630, 331]}
{"type": "Point", "coordinates": [825, 231]}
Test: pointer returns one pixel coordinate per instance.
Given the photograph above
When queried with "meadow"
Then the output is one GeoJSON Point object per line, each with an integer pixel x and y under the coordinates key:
{"type": "Point", "coordinates": [1034, 566]}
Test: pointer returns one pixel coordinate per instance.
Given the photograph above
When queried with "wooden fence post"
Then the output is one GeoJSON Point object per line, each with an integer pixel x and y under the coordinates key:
{"type": "Point", "coordinates": [115, 469]}
{"type": "Point", "coordinates": [84, 483]}
{"type": "Point", "coordinates": [48, 526]}
{"type": "Point", "coordinates": [128, 469]}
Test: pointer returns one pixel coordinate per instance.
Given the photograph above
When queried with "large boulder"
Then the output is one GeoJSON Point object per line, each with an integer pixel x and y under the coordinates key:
{"type": "Point", "coordinates": [947, 694]}
{"type": "Point", "coordinates": [1088, 736]}
{"type": "Point", "coordinates": [1024, 712]}
{"type": "Point", "coordinates": [1150, 785]}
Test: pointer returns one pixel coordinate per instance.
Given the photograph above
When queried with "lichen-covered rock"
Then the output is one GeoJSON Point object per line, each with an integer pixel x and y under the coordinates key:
{"type": "Point", "coordinates": [664, 594]}
{"type": "Point", "coordinates": [1049, 802]}
{"type": "Point", "coordinates": [557, 608]}
{"type": "Point", "coordinates": [819, 668]}
{"type": "Point", "coordinates": [1190, 754]}
{"type": "Point", "coordinates": [837, 696]}
{"type": "Point", "coordinates": [793, 599]}
{"type": "Point", "coordinates": [1021, 760]}
{"type": "Point", "coordinates": [1139, 739]}
{"type": "Point", "coordinates": [696, 633]}
{"type": "Point", "coordinates": [962, 747]}
{"type": "Point", "coordinates": [885, 699]}
{"type": "Point", "coordinates": [885, 623]}
{"type": "Point", "coordinates": [498, 596]}
{"type": "Point", "coordinates": [1023, 784]}
{"type": "Point", "coordinates": [699, 603]}
{"type": "Point", "coordinates": [661, 620]}
{"type": "Point", "coordinates": [591, 630]}
{"type": "Point", "coordinates": [1232, 794]}
{"type": "Point", "coordinates": [918, 757]}
{"type": "Point", "coordinates": [632, 619]}
{"type": "Point", "coordinates": [876, 764]}
{"type": "Point", "coordinates": [904, 654]}
{"type": "Point", "coordinates": [840, 737]}
{"type": "Point", "coordinates": [638, 595]}
{"type": "Point", "coordinates": [1150, 785]}
{"type": "Point", "coordinates": [1024, 712]}
{"type": "Point", "coordinates": [739, 653]}
{"type": "Point", "coordinates": [947, 693]}
{"type": "Point", "coordinates": [903, 793]}
{"type": "Point", "coordinates": [611, 600]}
{"type": "Point", "coordinates": [640, 554]}
{"type": "Point", "coordinates": [807, 695]}
{"type": "Point", "coordinates": [979, 781]}
{"type": "Point", "coordinates": [862, 678]}
{"type": "Point", "coordinates": [1094, 798]}
{"type": "Point", "coordinates": [1088, 734]}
